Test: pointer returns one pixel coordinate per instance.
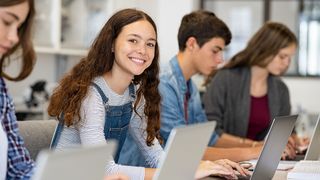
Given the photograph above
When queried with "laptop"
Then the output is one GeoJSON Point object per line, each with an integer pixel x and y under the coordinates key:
{"type": "Point", "coordinates": [81, 163]}
{"type": "Point", "coordinates": [275, 142]}
{"type": "Point", "coordinates": [184, 150]}
{"type": "Point", "coordinates": [313, 151]}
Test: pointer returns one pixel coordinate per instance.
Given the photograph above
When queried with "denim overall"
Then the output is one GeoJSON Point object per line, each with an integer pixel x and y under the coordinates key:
{"type": "Point", "coordinates": [117, 119]}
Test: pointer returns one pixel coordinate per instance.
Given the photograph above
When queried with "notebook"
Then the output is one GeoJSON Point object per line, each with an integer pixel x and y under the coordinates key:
{"type": "Point", "coordinates": [184, 150]}
{"type": "Point", "coordinates": [313, 152]}
{"type": "Point", "coordinates": [273, 147]}
{"type": "Point", "coordinates": [305, 170]}
{"type": "Point", "coordinates": [81, 163]}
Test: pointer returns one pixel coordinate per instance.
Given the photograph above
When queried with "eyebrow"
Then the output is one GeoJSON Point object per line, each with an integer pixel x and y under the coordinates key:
{"type": "Point", "coordinates": [138, 36]}
{"type": "Point", "coordinates": [218, 47]}
{"type": "Point", "coordinates": [13, 15]}
{"type": "Point", "coordinates": [284, 54]}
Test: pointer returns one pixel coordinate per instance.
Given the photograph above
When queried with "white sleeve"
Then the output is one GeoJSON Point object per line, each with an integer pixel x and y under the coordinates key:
{"type": "Point", "coordinates": [136, 173]}
{"type": "Point", "coordinates": [92, 112]}
{"type": "Point", "coordinates": [91, 130]}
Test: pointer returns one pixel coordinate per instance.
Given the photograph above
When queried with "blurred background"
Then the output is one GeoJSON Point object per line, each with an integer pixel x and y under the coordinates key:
{"type": "Point", "coordinates": [65, 29]}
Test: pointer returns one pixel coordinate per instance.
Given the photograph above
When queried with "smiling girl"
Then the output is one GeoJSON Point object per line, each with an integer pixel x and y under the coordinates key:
{"type": "Point", "coordinates": [114, 91]}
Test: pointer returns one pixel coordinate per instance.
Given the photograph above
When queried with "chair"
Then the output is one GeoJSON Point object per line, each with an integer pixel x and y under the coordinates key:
{"type": "Point", "coordinates": [37, 134]}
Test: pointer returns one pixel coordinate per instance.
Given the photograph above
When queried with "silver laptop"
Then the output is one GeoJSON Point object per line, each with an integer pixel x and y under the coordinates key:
{"type": "Point", "coordinates": [273, 147]}
{"type": "Point", "coordinates": [81, 163]}
{"type": "Point", "coordinates": [313, 152]}
{"type": "Point", "coordinates": [184, 150]}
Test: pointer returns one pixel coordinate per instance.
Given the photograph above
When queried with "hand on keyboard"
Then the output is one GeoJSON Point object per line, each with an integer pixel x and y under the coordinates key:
{"type": "Point", "coordinates": [289, 152]}
{"type": "Point", "coordinates": [209, 168]}
{"type": "Point", "coordinates": [222, 168]}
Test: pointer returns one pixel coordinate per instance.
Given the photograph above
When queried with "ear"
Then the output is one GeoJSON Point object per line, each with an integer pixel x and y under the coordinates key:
{"type": "Point", "coordinates": [191, 43]}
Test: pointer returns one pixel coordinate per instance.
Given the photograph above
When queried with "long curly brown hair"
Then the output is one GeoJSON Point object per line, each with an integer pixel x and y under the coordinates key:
{"type": "Point", "coordinates": [28, 56]}
{"type": "Point", "coordinates": [68, 96]}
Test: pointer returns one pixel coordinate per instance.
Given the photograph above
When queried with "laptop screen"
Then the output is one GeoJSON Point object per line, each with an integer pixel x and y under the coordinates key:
{"type": "Point", "coordinates": [274, 145]}
{"type": "Point", "coordinates": [184, 150]}
{"type": "Point", "coordinates": [85, 162]}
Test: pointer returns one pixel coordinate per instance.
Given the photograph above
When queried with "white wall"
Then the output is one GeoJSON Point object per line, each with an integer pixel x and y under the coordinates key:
{"type": "Point", "coordinates": [170, 15]}
{"type": "Point", "coordinates": [304, 92]}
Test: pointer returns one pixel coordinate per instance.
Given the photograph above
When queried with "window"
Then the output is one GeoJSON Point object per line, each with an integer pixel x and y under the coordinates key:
{"type": "Point", "coordinates": [244, 17]}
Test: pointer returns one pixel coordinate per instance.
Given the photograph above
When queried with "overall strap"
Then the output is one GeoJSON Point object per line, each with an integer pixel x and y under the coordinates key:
{"type": "Point", "coordinates": [59, 127]}
{"type": "Point", "coordinates": [132, 93]}
{"type": "Point", "coordinates": [105, 99]}
{"type": "Point", "coordinates": [103, 96]}
{"type": "Point", "coordinates": [57, 132]}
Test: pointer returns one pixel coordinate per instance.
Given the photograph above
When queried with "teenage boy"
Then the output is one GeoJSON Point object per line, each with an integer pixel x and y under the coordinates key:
{"type": "Point", "coordinates": [202, 37]}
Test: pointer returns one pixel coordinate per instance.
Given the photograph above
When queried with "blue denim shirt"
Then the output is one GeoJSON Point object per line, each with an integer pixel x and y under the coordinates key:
{"type": "Point", "coordinates": [173, 88]}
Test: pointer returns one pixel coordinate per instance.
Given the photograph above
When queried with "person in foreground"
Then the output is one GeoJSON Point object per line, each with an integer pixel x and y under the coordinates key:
{"type": "Point", "coordinates": [16, 17]}
{"type": "Point", "coordinates": [247, 93]}
{"type": "Point", "coordinates": [114, 91]}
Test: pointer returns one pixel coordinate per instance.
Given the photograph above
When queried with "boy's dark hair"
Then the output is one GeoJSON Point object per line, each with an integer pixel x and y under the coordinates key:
{"type": "Point", "coordinates": [202, 25]}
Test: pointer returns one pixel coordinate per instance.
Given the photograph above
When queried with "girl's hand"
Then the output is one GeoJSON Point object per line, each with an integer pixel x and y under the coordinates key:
{"type": "Point", "coordinates": [234, 166]}
{"type": "Point", "coordinates": [289, 152]}
{"type": "Point", "coordinates": [222, 168]}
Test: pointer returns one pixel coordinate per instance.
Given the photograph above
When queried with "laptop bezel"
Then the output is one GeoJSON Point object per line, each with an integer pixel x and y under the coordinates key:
{"type": "Point", "coordinates": [178, 162]}
{"type": "Point", "coordinates": [277, 138]}
{"type": "Point", "coordinates": [50, 163]}
{"type": "Point", "coordinates": [313, 152]}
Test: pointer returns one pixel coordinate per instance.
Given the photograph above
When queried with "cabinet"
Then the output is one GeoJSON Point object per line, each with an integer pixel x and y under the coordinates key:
{"type": "Point", "coordinates": [68, 27]}
{"type": "Point", "coordinates": [64, 30]}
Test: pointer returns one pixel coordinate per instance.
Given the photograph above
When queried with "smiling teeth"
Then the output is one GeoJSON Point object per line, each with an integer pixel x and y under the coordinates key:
{"type": "Point", "coordinates": [140, 61]}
